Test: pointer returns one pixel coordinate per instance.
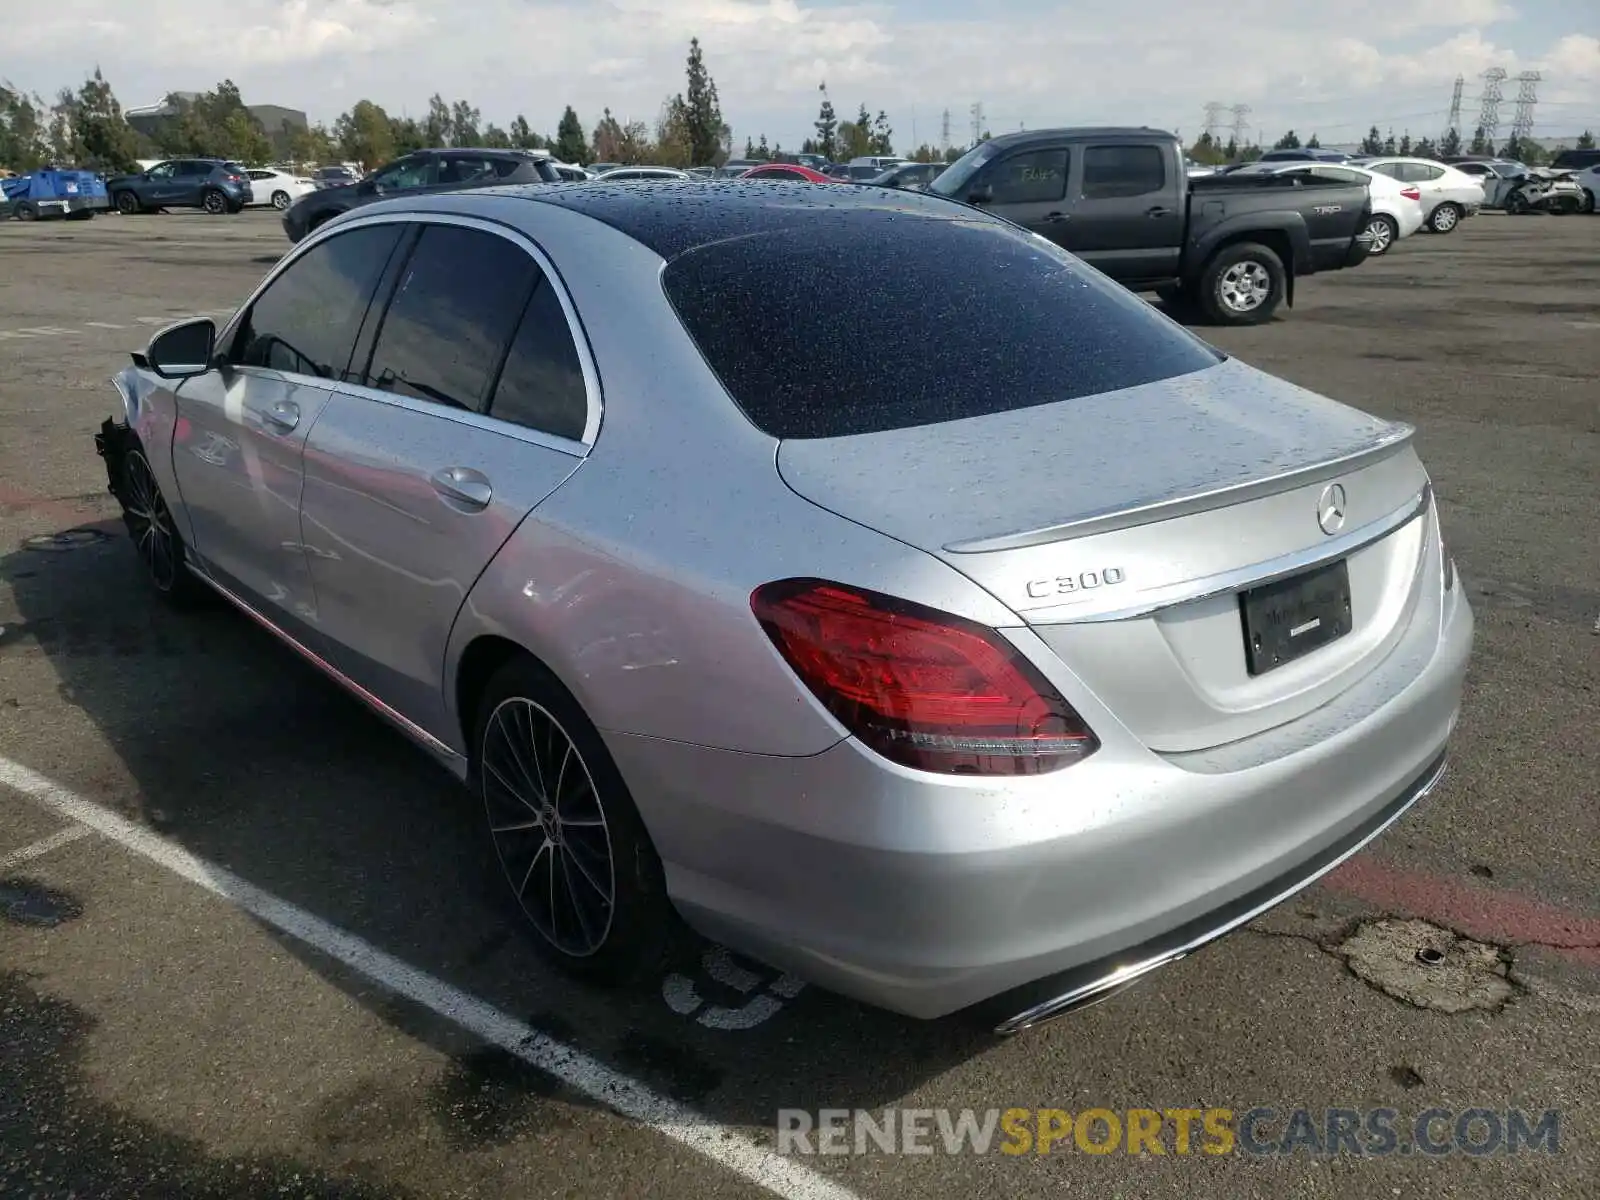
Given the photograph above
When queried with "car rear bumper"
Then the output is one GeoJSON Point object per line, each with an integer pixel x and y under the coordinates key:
{"type": "Point", "coordinates": [930, 894]}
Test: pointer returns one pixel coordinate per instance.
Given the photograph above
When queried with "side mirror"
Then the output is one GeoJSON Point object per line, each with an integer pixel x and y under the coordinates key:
{"type": "Point", "coordinates": [369, 187]}
{"type": "Point", "coordinates": [983, 194]}
{"type": "Point", "coordinates": [183, 351]}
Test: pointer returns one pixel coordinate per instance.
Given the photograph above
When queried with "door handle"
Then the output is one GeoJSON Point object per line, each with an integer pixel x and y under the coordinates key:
{"type": "Point", "coordinates": [1158, 211]}
{"type": "Point", "coordinates": [1055, 218]}
{"type": "Point", "coordinates": [463, 485]}
{"type": "Point", "coordinates": [282, 416]}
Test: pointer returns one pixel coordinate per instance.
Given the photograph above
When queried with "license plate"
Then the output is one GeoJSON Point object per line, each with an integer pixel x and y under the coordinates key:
{"type": "Point", "coordinates": [1288, 618]}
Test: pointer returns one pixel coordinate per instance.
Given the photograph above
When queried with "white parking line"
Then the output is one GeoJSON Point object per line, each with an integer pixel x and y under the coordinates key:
{"type": "Point", "coordinates": [58, 839]}
{"type": "Point", "coordinates": [728, 1147]}
{"type": "Point", "coordinates": [29, 332]}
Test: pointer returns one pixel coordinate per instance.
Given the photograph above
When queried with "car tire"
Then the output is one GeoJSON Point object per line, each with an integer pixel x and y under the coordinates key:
{"type": "Point", "coordinates": [1385, 233]}
{"type": "Point", "coordinates": [150, 523]}
{"type": "Point", "coordinates": [280, 199]}
{"type": "Point", "coordinates": [214, 202]}
{"type": "Point", "coordinates": [1243, 284]}
{"type": "Point", "coordinates": [126, 203]}
{"type": "Point", "coordinates": [1445, 218]}
{"type": "Point", "coordinates": [1588, 201]}
{"type": "Point", "coordinates": [25, 211]}
{"type": "Point", "coordinates": [1515, 204]}
{"type": "Point", "coordinates": [580, 864]}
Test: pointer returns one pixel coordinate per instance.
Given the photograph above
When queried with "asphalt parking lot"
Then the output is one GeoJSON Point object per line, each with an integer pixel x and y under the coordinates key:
{"type": "Point", "coordinates": [252, 944]}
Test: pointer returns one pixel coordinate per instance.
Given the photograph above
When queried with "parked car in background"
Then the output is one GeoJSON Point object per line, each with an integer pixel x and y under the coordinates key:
{"type": "Point", "coordinates": [334, 176]}
{"type": "Point", "coordinates": [1449, 195]}
{"type": "Point", "coordinates": [1304, 154]}
{"type": "Point", "coordinates": [600, 169]}
{"type": "Point", "coordinates": [793, 172]}
{"type": "Point", "coordinates": [1122, 200]}
{"type": "Point", "coordinates": [1589, 180]}
{"type": "Point", "coordinates": [1397, 210]}
{"type": "Point", "coordinates": [1155, 641]}
{"type": "Point", "coordinates": [419, 172]}
{"type": "Point", "coordinates": [213, 184]}
{"type": "Point", "coordinates": [568, 172]}
{"type": "Point", "coordinates": [618, 174]}
{"type": "Point", "coordinates": [1575, 160]}
{"type": "Point", "coordinates": [278, 188]}
{"type": "Point", "coordinates": [736, 167]}
{"type": "Point", "coordinates": [913, 175]}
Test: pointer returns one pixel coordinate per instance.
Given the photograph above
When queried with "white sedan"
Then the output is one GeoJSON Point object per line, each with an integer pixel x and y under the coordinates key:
{"type": "Point", "coordinates": [277, 188]}
{"type": "Point", "coordinates": [1397, 209]}
{"type": "Point", "coordinates": [1448, 195]}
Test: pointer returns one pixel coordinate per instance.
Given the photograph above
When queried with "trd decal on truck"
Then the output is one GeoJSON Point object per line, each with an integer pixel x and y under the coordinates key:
{"type": "Point", "coordinates": [1327, 210]}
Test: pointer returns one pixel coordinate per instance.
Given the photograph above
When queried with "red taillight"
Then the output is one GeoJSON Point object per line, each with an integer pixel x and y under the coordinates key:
{"type": "Point", "coordinates": [1411, 193]}
{"type": "Point", "coordinates": [921, 687]}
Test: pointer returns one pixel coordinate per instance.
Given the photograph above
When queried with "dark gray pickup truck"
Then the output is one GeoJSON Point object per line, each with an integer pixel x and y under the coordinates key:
{"type": "Point", "coordinates": [1122, 200]}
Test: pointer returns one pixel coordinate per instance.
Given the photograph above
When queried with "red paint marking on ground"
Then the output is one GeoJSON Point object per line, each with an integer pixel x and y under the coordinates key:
{"type": "Point", "coordinates": [1488, 914]}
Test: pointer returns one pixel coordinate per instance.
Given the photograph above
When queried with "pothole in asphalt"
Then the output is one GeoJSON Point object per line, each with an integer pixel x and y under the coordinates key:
{"type": "Point", "coordinates": [26, 903]}
{"type": "Point", "coordinates": [1427, 966]}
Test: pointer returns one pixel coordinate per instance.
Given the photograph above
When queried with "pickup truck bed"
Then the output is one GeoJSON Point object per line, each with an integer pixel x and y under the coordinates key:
{"type": "Point", "coordinates": [1122, 200]}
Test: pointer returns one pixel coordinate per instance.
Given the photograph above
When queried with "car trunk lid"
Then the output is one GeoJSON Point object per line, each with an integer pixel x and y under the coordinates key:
{"type": "Point", "coordinates": [1124, 527]}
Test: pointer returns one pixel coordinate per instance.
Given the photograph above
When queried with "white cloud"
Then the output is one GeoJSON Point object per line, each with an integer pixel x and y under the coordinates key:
{"type": "Point", "coordinates": [1333, 69]}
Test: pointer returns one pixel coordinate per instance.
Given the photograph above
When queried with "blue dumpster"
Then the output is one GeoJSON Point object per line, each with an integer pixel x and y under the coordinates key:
{"type": "Point", "coordinates": [76, 195]}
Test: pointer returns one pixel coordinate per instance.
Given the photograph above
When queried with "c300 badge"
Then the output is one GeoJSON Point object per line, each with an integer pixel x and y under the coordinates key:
{"type": "Point", "coordinates": [1071, 585]}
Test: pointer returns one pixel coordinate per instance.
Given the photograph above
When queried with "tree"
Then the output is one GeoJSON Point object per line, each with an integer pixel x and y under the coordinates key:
{"type": "Point", "coordinates": [1373, 142]}
{"type": "Point", "coordinates": [1313, 143]}
{"type": "Point", "coordinates": [701, 110]}
{"type": "Point", "coordinates": [1451, 143]}
{"type": "Point", "coordinates": [407, 135]}
{"type": "Point", "coordinates": [1480, 142]}
{"type": "Point", "coordinates": [1405, 144]}
{"type": "Point", "coordinates": [1287, 142]}
{"type": "Point", "coordinates": [365, 135]}
{"type": "Point", "coordinates": [1388, 143]}
{"type": "Point", "coordinates": [59, 135]}
{"type": "Point", "coordinates": [607, 139]}
{"type": "Point", "coordinates": [314, 144]}
{"type": "Point", "coordinates": [438, 126]}
{"type": "Point", "coordinates": [1425, 149]}
{"type": "Point", "coordinates": [763, 151]}
{"type": "Point", "coordinates": [1514, 149]}
{"type": "Point", "coordinates": [882, 134]}
{"type": "Point", "coordinates": [105, 140]}
{"type": "Point", "coordinates": [464, 124]}
{"type": "Point", "coordinates": [1585, 141]}
{"type": "Point", "coordinates": [22, 143]}
{"type": "Point", "coordinates": [571, 145]}
{"type": "Point", "coordinates": [213, 124]}
{"type": "Point", "coordinates": [672, 134]}
{"type": "Point", "coordinates": [1205, 150]}
{"type": "Point", "coordinates": [636, 146]}
{"type": "Point", "coordinates": [496, 138]}
{"type": "Point", "coordinates": [1230, 152]}
{"type": "Point", "coordinates": [523, 137]}
{"type": "Point", "coordinates": [827, 126]}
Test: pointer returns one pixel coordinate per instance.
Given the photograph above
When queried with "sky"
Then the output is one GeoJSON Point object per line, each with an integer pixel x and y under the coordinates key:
{"type": "Point", "coordinates": [1329, 69]}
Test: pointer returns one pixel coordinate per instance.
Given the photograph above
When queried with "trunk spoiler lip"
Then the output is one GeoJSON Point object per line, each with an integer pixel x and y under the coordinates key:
{"type": "Point", "coordinates": [1390, 441]}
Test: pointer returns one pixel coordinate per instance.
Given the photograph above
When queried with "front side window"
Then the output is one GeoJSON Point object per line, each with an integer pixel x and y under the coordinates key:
{"type": "Point", "coordinates": [1027, 177]}
{"type": "Point", "coordinates": [307, 320]}
{"type": "Point", "coordinates": [451, 317]}
{"type": "Point", "coordinates": [1110, 171]}
{"type": "Point", "coordinates": [164, 170]}
{"type": "Point", "coordinates": [406, 174]}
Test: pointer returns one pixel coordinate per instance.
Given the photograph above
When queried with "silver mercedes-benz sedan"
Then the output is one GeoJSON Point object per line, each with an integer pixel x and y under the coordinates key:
{"type": "Point", "coordinates": [856, 575]}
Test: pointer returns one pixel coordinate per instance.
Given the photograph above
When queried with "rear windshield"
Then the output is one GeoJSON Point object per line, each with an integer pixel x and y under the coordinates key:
{"type": "Point", "coordinates": [957, 319]}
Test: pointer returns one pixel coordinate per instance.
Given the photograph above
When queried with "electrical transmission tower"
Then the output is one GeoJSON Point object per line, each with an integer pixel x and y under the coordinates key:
{"type": "Point", "coordinates": [1489, 106]}
{"type": "Point", "coordinates": [1454, 124]}
{"type": "Point", "coordinates": [1213, 119]}
{"type": "Point", "coordinates": [1527, 97]}
{"type": "Point", "coordinates": [944, 131]}
{"type": "Point", "coordinates": [977, 121]}
{"type": "Point", "coordinates": [1240, 112]}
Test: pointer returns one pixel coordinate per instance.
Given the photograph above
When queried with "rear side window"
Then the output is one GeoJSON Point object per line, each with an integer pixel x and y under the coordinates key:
{"type": "Point", "coordinates": [307, 319]}
{"type": "Point", "coordinates": [451, 316]}
{"type": "Point", "coordinates": [1110, 171]}
{"type": "Point", "coordinates": [1029, 177]}
{"type": "Point", "coordinates": [959, 317]}
{"type": "Point", "coordinates": [541, 385]}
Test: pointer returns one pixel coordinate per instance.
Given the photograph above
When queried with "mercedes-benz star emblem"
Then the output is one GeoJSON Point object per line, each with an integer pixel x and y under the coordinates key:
{"type": "Point", "coordinates": [1330, 508]}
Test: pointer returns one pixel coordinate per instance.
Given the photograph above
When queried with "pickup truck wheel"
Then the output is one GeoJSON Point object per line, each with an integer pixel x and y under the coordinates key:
{"type": "Point", "coordinates": [1242, 285]}
{"type": "Point", "coordinates": [1444, 219]}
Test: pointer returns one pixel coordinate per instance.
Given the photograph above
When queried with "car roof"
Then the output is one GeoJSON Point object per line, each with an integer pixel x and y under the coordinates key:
{"type": "Point", "coordinates": [497, 150]}
{"type": "Point", "coordinates": [673, 217]}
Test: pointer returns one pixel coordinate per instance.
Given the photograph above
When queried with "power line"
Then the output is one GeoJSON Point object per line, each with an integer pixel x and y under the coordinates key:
{"type": "Point", "coordinates": [977, 121]}
{"type": "Point", "coordinates": [1213, 118]}
{"type": "Point", "coordinates": [1240, 112]}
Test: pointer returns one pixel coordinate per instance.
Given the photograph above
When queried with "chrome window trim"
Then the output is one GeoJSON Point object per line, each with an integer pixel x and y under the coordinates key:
{"type": "Point", "coordinates": [575, 329]}
{"type": "Point", "coordinates": [463, 416]}
{"type": "Point", "coordinates": [1187, 592]}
